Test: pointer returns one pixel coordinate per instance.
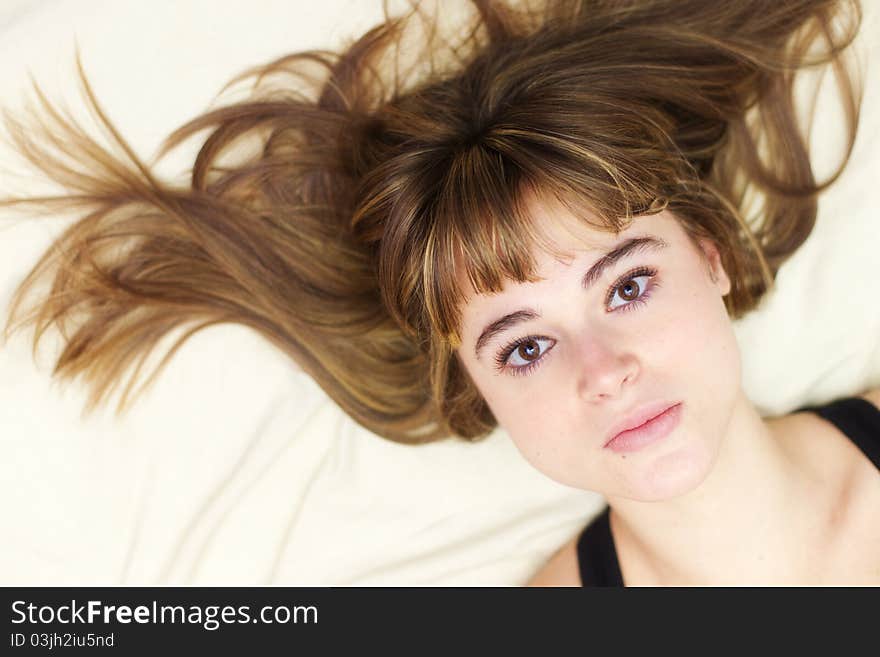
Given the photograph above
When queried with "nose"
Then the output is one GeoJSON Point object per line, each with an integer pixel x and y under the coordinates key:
{"type": "Point", "coordinates": [606, 370]}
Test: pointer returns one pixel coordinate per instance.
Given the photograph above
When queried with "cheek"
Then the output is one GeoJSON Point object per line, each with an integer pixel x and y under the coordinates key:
{"type": "Point", "coordinates": [552, 429]}
{"type": "Point", "coordinates": [702, 358]}
{"type": "Point", "coordinates": [700, 361]}
{"type": "Point", "coordinates": [715, 351]}
{"type": "Point", "coordinates": [540, 430]}
{"type": "Point", "coordinates": [694, 342]}
{"type": "Point", "coordinates": [558, 452]}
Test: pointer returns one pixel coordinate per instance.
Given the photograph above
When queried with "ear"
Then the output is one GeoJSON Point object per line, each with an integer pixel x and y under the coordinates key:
{"type": "Point", "coordinates": [712, 258]}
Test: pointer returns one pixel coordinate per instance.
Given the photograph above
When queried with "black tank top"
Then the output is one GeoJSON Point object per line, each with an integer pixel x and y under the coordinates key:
{"type": "Point", "coordinates": [856, 417]}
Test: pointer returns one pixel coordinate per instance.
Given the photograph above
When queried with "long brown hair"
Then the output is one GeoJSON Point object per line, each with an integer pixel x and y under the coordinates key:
{"type": "Point", "coordinates": [386, 174]}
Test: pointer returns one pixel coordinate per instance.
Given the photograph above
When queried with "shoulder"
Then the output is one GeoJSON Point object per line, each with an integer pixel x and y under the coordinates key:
{"type": "Point", "coordinates": [872, 396]}
{"type": "Point", "coordinates": [832, 447]}
{"type": "Point", "coordinates": [820, 445]}
{"type": "Point", "coordinates": [561, 569]}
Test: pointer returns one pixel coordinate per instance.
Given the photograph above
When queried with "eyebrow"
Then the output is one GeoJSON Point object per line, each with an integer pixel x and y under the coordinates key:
{"type": "Point", "coordinates": [594, 273]}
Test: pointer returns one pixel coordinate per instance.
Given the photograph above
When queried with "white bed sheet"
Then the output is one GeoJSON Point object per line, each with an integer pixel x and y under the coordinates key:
{"type": "Point", "coordinates": [236, 468]}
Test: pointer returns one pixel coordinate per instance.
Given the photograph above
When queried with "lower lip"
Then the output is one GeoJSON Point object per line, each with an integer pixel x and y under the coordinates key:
{"type": "Point", "coordinates": [650, 432]}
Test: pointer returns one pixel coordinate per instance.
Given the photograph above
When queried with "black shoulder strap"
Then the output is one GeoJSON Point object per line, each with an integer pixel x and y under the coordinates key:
{"type": "Point", "coordinates": [597, 556]}
{"type": "Point", "coordinates": [857, 418]}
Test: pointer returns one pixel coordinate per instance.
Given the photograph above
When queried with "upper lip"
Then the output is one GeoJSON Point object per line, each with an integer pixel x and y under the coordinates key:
{"type": "Point", "coordinates": [638, 417]}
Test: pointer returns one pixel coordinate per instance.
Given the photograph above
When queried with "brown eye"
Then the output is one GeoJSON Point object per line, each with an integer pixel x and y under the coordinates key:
{"type": "Point", "coordinates": [523, 355]}
{"type": "Point", "coordinates": [528, 350]}
{"type": "Point", "coordinates": [630, 290]}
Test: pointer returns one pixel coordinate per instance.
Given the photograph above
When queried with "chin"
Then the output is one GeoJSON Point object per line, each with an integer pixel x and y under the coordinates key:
{"type": "Point", "coordinates": [672, 475]}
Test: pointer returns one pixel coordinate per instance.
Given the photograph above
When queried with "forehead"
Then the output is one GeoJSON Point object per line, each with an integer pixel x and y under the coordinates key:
{"type": "Point", "coordinates": [564, 237]}
{"type": "Point", "coordinates": [570, 239]}
{"type": "Point", "coordinates": [568, 234]}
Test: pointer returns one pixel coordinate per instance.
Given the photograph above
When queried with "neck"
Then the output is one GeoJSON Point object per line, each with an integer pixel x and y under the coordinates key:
{"type": "Point", "coordinates": [751, 513]}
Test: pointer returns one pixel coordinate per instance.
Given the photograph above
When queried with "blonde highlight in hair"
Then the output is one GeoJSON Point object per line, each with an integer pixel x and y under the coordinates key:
{"type": "Point", "coordinates": [387, 179]}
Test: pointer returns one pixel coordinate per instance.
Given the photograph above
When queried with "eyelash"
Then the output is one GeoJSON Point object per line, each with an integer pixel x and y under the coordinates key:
{"type": "Point", "coordinates": [506, 351]}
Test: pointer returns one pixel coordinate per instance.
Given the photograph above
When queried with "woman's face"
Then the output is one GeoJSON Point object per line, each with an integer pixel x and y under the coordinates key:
{"type": "Point", "coordinates": [651, 328]}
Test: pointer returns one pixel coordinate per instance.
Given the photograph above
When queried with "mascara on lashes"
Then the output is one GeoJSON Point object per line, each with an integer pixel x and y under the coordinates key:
{"type": "Point", "coordinates": [505, 352]}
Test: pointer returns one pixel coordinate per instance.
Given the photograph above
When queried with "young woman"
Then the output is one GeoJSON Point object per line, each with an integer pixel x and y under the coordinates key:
{"type": "Point", "coordinates": [708, 492]}
{"type": "Point", "coordinates": [547, 224]}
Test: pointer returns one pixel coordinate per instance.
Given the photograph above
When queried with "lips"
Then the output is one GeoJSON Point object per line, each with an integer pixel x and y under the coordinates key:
{"type": "Point", "coordinates": [639, 417]}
